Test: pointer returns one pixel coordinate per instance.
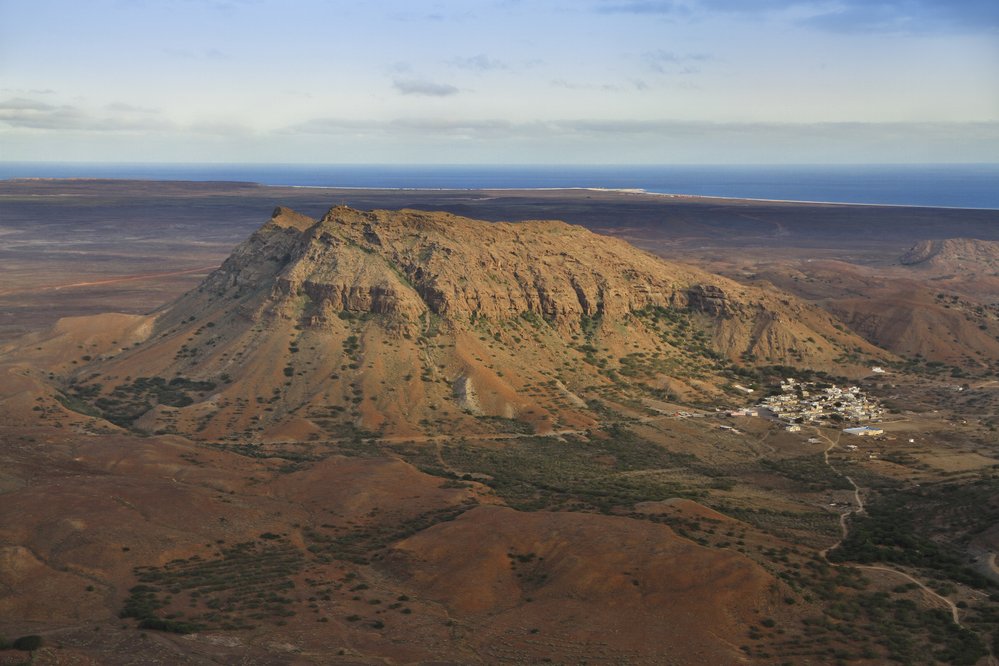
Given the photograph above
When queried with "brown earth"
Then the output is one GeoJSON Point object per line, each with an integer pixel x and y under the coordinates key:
{"type": "Point", "coordinates": [655, 591]}
{"type": "Point", "coordinates": [402, 550]}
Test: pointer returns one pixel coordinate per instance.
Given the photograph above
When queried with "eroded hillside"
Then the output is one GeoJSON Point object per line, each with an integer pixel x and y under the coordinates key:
{"type": "Point", "coordinates": [410, 322]}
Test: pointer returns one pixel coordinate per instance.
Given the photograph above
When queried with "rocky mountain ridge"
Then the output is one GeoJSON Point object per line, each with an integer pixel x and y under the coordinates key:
{"type": "Point", "coordinates": [410, 263]}
{"type": "Point", "coordinates": [392, 321]}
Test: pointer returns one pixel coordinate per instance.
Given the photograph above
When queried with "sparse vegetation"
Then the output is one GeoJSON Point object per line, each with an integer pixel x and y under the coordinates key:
{"type": "Point", "coordinates": [900, 527]}
{"type": "Point", "coordinates": [28, 643]}
{"type": "Point", "coordinates": [593, 474]}
{"type": "Point", "coordinates": [245, 583]}
{"type": "Point", "coordinates": [363, 544]}
{"type": "Point", "coordinates": [127, 402]}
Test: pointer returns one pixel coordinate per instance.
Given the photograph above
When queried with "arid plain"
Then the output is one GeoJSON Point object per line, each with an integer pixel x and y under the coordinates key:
{"type": "Point", "coordinates": [417, 438]}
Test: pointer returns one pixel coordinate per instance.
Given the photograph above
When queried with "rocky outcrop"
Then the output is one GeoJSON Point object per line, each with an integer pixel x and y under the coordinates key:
{"type": "Point", "coordinates": [709, 299]}
{"type": "Point", "coordinates": [404, 263]}
{"type": "Point", "coordinates": [464, 393]}
{"type": "Point", "coordinates": [256, 262]}
{"type": "Point", "coordinates": [954, 254]}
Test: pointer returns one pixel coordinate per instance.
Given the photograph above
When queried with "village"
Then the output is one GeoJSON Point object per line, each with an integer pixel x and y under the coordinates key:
{"type": "Point", "coordinates": [802, 402]}
{"type": "Point", "coordinates": [818, 404]}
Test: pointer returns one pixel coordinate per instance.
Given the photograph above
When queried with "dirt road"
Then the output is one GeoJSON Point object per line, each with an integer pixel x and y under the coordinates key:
{"type": "Point", "coordinates": [845, 529]}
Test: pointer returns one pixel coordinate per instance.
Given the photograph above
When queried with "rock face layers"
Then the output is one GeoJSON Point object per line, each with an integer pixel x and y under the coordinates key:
{"type": "Point", "coordinates": [406, 263]}
{"type": "Point", "coordinates": [390, 320]}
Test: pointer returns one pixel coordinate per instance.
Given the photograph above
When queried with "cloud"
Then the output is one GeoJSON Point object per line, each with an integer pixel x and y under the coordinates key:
{"type": "Point", "coordinates": [424, 88]}
{"type": "Point", "coordinates": [122, 107]}
{"type": "Point", "coordinates": [658, 7]}
{"type": "Point", "coordinates": [450, 127]}
{"type": "Point", "coordinates": [401, 67]}
{"type": "Point", "coordinates": [217, 129]}
{"type": "Point", "coordinates": [478, 63]}
{"type": "Point", "coordinates": [416, 126]}
{"type": "Point", "coordinates": [331, 126]}
{"type": "Point", "coordinates": [662, 131]}
{"type": "Point", "coordinates": [31, 114]}
{"type": "Point", "coordinates": [910, 16]}
{"type": "Point", "coordinates": [663, 61]}
{"type": "Point", "coordinates": [27, 91]}
{"type": "Point", "coordinates": [563, 84]}
{"type": "Point", "coordinates": [116, 118]}
{"type": "Point", "coordinates": [28, 113]}
{"type": "Point", "coordinates": [755, 6]}
{"type": "Point", "coordinates": [222, 6]}
{"type": "Point", "coordinates": [888, 16]}
{"type": "Point", "coordinates": [900, 16]}
{"type": "Point", "coordinates": [24, 104]}
{"type": "Point", "coordinates": [433, 16]}
{"type": "Point", "coordinates": [652, 141]}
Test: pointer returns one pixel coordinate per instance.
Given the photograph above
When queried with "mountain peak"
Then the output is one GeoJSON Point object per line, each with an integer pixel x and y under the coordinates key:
{"type": "Point", "coordinates": [287, 218]}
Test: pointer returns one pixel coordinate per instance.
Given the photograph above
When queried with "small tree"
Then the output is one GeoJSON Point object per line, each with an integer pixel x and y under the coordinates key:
{"type": "Point", "coordinates": [28, 643]}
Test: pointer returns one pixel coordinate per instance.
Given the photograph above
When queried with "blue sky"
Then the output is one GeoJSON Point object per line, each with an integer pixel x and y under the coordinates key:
{"type": "Point", "coordinates": [500, 81]}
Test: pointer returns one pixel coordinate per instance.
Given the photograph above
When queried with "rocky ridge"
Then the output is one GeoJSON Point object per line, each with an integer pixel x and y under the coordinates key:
{"type": "Point", "coordinates": [391, 320]}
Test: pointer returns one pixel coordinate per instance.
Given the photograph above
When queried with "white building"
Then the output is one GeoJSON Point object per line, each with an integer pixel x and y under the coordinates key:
{"type": "Point", "coordinates": [864, 431]}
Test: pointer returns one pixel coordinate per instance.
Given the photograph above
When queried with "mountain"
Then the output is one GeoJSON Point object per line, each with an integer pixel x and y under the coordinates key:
{"type": "Point", "coordinates": [411, 322]}
{"type": "Point", "coordinates": [916, 322]}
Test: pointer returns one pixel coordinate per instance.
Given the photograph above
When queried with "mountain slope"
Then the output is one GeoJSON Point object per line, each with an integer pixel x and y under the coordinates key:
{"type": "Point", "coordinates": [410, 322]}
{"type": "Point", "coordinates": [954, 254]}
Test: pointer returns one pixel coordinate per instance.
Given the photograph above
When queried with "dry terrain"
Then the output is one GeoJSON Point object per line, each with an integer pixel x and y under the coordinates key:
{"type": "Point", "coordinates": [415, 437]}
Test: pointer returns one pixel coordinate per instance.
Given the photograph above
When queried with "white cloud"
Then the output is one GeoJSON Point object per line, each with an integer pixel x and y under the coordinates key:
{"type": "Point", "coordinates": [478, 63]}
{"type": "Point", "coordinates": [424, 88]}
{"type": "Point", "coordinates": [663, 61]}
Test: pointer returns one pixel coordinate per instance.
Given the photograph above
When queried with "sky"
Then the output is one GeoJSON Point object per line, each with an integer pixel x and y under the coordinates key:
{"type": "Point", "coordinates": [500, 81]}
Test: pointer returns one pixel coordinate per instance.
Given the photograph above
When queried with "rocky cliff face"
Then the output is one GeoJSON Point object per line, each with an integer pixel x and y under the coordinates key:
{"type": "Point", "coordinates": [403, 264]}
{"type": "Point", "coordinates": [404, 321]}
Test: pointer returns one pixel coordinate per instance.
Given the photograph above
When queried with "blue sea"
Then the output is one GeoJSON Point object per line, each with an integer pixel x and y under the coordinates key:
{"type": "Point", "coordinates": [948, 185]}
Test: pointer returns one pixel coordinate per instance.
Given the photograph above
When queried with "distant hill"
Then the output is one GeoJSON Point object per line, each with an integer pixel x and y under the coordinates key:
{"type": "Point", "coordinates": [954, 254]}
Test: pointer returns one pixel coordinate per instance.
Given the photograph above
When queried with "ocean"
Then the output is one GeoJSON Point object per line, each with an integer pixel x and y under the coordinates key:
{"type": "Point", "coordinates": [947, 185]}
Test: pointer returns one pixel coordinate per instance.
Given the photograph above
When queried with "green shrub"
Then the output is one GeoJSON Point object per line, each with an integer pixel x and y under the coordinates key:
{"type": "Point", "coordinates": [28, 643]}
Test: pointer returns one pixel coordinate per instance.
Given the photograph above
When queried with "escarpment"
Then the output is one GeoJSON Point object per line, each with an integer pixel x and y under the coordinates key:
{"type": "Point", "coordinates": [404, 263]}
{"type": "Point", "coordinates": [394, 321]}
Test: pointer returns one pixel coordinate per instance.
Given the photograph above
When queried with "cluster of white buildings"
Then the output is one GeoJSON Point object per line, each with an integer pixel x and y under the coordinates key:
{"type": "Point", "coordinates": [801, 402]}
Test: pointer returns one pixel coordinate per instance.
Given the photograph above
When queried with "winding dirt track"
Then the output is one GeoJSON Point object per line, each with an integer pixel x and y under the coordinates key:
{"type": "Point", "coordinates": [844, 527]}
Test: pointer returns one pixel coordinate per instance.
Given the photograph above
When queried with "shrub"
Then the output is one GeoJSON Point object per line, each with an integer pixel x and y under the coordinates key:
{"type": "Point", "coordinates": [28, 643]}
